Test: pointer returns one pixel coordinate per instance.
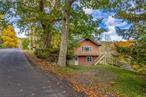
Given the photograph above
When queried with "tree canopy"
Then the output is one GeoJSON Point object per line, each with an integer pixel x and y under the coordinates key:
{"type": "Point", "coordinates": [9, 38]}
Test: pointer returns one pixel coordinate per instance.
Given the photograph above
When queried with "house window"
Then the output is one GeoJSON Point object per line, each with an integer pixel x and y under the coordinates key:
{"type": "Point", "coordinates": [89, 58]}
{"type": "Point", "coordinates": [86, 48]}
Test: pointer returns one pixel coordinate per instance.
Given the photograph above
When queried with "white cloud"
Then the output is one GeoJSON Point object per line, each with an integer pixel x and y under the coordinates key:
{"type": "Point", "coordinates": [108, 36]}
{"type": "Point", "coordinates": [88, 10]}
{"type": "Point", "coordinates": [112, 29]}
{"type": "Point", "coordinates": [116, 37]}
{"type": "Point", "coordinates": [77, 2]}
{"type": "Point", "coordinates": [111, 34]}
{"type": "Point", "coordinates": [20, 35]}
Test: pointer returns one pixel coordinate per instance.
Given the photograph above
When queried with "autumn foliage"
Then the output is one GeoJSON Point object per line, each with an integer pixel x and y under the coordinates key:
{"type": "Point", "coordinates": [124, 43]}
{"type": "Point", "coordinates": [9, 38]}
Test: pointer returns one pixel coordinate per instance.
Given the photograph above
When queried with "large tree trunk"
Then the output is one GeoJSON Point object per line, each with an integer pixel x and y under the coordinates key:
{"type": "Point", "coordinates": [64, 43]}
{"type": "Point", "coordinates": [47, 40]}
{"type": "Point", "coordinates": [64, 34]}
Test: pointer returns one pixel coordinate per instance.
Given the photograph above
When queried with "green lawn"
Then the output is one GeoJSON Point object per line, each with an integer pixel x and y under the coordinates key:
{"type": "Point", "coordinates": [125, 83]}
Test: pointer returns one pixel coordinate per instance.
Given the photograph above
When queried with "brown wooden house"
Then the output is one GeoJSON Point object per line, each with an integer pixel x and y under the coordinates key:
{"type": "Point", "coordinates": [87, 53]}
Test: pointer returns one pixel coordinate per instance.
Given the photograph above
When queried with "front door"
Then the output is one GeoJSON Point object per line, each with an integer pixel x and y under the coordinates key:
{"type": "Point", "coordinates": [76, 60]}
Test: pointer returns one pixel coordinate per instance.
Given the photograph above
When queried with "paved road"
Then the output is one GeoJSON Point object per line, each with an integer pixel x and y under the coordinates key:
{"type": "Point", "coordinates": [18, 78]}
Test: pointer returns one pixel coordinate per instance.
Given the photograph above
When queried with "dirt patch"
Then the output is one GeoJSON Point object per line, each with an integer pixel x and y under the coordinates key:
{"type": "Point", "coordinates": [94, 77]}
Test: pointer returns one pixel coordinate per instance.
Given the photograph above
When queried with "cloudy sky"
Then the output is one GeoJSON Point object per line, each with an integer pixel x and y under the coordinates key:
{"type": "Point", "coordinates": [109, 23]}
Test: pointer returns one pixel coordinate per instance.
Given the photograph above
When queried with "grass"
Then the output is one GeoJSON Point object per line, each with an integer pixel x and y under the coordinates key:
{"type": "Point", "coordinates": [125, 83]}
{"type": "Point", "coordinates": [80, 69]}
{"type": "Point", "coordinates": [129, 84]}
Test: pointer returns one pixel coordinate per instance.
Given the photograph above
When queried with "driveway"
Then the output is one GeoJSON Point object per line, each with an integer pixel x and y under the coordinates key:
{"type": "Point", "coordinates": [18, 78]}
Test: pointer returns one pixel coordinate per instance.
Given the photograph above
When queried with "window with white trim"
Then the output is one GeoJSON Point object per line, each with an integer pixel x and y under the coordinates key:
{"type": "Point", "coordinates": [89, 58]}
{"type": "Point", "coordinates": [86, 48]}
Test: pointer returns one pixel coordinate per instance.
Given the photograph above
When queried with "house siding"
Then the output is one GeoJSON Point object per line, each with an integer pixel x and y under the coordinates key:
{"type": "Point", "coordinates": [94, 52]}
{"type": "Point", "coordinates": [82, 55]}
{"type": "Point", "coordinates": [83, 60]}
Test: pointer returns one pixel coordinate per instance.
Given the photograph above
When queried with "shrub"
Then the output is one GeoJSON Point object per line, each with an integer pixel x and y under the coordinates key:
{"type": "Point", "coordinates": [42, 53]}
{"type": "Point", "coordinates": [2, 46]}
{"type": "Point", "coordinates": [25, 44]}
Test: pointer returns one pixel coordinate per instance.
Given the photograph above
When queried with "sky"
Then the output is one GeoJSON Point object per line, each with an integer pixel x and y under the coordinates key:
{"type": "Point", "coordinates": [20, 35]}
{"type": "Point", "coordinates": [109, 23]}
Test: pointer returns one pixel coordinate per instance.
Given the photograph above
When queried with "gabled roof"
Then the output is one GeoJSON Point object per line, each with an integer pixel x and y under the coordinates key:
{"type": "Point", "coordinates": [87, 39]}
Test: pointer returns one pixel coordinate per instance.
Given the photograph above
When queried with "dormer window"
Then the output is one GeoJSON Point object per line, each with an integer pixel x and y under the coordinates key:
{"type": "Point", "coordinates": [86, 48]}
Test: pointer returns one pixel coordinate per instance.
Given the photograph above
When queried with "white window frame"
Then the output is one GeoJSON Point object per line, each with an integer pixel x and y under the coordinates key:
{"type": "Point", "coordinates": [83, 48]}
{"type": "Point", "coordinates": [89, 59]}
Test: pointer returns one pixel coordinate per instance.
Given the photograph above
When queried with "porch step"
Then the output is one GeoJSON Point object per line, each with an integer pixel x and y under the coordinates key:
{"type": "Point", "coordinates": [99, 59]}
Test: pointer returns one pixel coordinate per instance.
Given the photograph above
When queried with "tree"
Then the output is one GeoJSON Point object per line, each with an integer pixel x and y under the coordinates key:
{"type": "Point", "coordinates": [138, 54]}
{"type": "Point", "coordinates": [42, 16]}
{"type": "Point", "coordinates": [136, 15]}
{"type": "Point", "coordinates": [68, 13]}
{"type": "Point", "coordinates": [1, 17]}
{"type": "Point", "coordinates": [9, 38]}
{"type": "Point", "coordinates": [64, 33]}
{"type": "Point", "coordinates": [47, 15]}
{"type": "Point", "coordinates": [25, 43]}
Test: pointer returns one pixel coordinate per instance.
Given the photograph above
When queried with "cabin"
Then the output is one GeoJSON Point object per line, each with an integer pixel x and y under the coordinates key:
{"type": "Point", "coordinates": [87, 53]}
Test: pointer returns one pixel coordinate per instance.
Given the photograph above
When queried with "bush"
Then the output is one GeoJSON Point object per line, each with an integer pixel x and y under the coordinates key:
{"type": "Point", "coordinates": [25, 44]}
{"type": "Point", "coordinates": [42, 53]}
{"type": "Point", "coordinates": [2, 46]}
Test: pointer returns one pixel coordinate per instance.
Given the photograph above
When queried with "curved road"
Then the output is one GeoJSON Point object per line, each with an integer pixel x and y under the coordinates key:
{"type": "Point", "coordinates": [18, 78]}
